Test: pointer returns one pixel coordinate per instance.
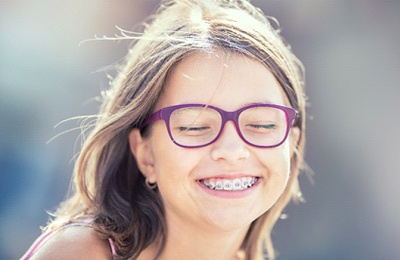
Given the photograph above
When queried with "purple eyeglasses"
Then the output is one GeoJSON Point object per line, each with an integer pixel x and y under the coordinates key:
{"type": "Point", "coordinates": [199, 125]}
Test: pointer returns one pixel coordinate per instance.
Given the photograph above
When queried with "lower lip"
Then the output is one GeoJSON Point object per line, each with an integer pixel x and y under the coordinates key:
{"type": "Point", "coordinates": [233, 194]}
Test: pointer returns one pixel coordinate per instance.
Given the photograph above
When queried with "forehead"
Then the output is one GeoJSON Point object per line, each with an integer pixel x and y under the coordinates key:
{"type": "Point", "coordinates": [228, 80]}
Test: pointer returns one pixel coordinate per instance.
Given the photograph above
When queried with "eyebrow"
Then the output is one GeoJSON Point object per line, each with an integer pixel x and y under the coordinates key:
{"type": "Point", "coordinates": [258, 103]}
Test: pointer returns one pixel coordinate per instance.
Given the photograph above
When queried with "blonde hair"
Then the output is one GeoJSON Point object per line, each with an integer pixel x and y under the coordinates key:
{"type": "Point", "coordinates": [108, 186]}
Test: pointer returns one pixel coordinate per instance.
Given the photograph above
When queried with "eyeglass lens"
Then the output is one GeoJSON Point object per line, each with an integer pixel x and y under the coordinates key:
{"type": "Point", "coordinates": [197, 126]}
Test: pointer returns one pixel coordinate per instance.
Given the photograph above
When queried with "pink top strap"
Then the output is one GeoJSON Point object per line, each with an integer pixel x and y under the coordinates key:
{"type": "Point", "coordinates": [113, 251]}
{"type": "Point", "coordinates": [43, 238]}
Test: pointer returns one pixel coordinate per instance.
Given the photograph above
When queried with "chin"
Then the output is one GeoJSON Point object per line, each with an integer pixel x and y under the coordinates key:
{"type": "Point", "coordinates": [226, 220]}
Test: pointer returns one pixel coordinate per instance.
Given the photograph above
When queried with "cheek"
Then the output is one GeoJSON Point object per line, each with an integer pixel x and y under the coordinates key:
{"type": "Point", "coordinates": [276, 163]}
{"type": "Point", "coordinates": [163, 152]}
{"type": "Point", "coordinates": [286, 156]}
{"type": "Point", "coordinates": [172, 164]}
{"type": "Point", "coordinates": [281, 158]}
{"type": "Point", "coordinates": [173, 168]}
{"type": "Point", "coordinates": [285, 160]}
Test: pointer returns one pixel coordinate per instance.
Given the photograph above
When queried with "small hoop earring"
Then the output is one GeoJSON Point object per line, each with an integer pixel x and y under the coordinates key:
{"type": "Point", "coordinates": [151, 186]}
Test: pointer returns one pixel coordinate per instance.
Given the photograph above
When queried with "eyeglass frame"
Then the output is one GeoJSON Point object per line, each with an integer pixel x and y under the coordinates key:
{"type": "Point", "coordinates": [166, 112]}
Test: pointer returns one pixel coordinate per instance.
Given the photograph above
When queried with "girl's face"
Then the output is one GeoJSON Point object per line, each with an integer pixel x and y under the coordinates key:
{"type": "Point", "coordinates": [227, 81]}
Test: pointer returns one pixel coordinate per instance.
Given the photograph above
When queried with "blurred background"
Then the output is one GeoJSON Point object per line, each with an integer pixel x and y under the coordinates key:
{"type": "Point", "coordinates": [351, 54]}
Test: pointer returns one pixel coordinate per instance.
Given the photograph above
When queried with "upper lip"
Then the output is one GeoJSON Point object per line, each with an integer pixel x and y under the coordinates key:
{"type": "Point", "coordinates": [230, 176]}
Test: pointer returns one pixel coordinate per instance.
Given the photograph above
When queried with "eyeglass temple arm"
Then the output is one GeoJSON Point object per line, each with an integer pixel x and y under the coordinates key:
{"type": "Point", "coordinates": [294, 118]}
{"type": "Point", "coordinates": [152, 118]}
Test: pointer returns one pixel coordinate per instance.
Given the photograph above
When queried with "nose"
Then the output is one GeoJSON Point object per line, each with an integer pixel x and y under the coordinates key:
{"type": "Point", "coordinates": [229, 146]}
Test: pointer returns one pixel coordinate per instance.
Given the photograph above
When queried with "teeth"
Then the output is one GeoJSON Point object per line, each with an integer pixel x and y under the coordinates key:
{"type": "Point", "coordinates": [235, 184]}
{"type": "Point", "coordinates": [211, 185]}
{"type": "Point", "coordinates": [228, 185]}
{"type": "Point", "coordinates": [218, 185]}
{"type": "Point", "coordinates": [245, 183]}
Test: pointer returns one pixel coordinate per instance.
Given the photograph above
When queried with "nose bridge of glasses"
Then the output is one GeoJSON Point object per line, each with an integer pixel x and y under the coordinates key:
{"type": "Point", "coordinates": [230, 116]}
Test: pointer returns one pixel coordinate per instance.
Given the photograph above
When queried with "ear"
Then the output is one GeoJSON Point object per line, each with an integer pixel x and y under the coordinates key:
{"type": "Point", "coordinates": [294, 139]}
{"type": "Point", "coordinates": [141, 150]}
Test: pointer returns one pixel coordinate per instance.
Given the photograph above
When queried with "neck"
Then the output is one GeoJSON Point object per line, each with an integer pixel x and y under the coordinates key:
{"type": "Point", "coordinates": [193, 242]}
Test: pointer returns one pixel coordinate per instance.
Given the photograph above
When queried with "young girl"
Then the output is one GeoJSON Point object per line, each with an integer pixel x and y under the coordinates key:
{"type": "Point", "coordinates": [197, 147]}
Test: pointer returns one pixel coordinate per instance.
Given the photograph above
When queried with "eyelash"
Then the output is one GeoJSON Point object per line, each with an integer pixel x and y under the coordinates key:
{"type": "Point", "coordinates": [270, 126]}
{"type": "Point", "coordinates": [183, 128]}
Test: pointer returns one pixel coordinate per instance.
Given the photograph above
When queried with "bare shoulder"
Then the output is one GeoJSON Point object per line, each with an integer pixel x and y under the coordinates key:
{"type": "Point", "coordinates": [74, 242]}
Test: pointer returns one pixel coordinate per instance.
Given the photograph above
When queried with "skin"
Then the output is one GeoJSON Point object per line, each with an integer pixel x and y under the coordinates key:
{"type": "Point", "coordinates": [203, 224]}
{"type": "Point", "coordinates": [74, 243]}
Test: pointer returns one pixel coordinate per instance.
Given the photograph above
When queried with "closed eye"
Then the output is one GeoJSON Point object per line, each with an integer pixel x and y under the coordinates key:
{"type": "Point", "coordinates": [266, 126]}
{"type": "Point", "coordinates": [193, 128]}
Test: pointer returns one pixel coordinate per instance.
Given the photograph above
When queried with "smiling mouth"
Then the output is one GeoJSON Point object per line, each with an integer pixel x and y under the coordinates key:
{"type": "Point", "coordinates": [237, 184]}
